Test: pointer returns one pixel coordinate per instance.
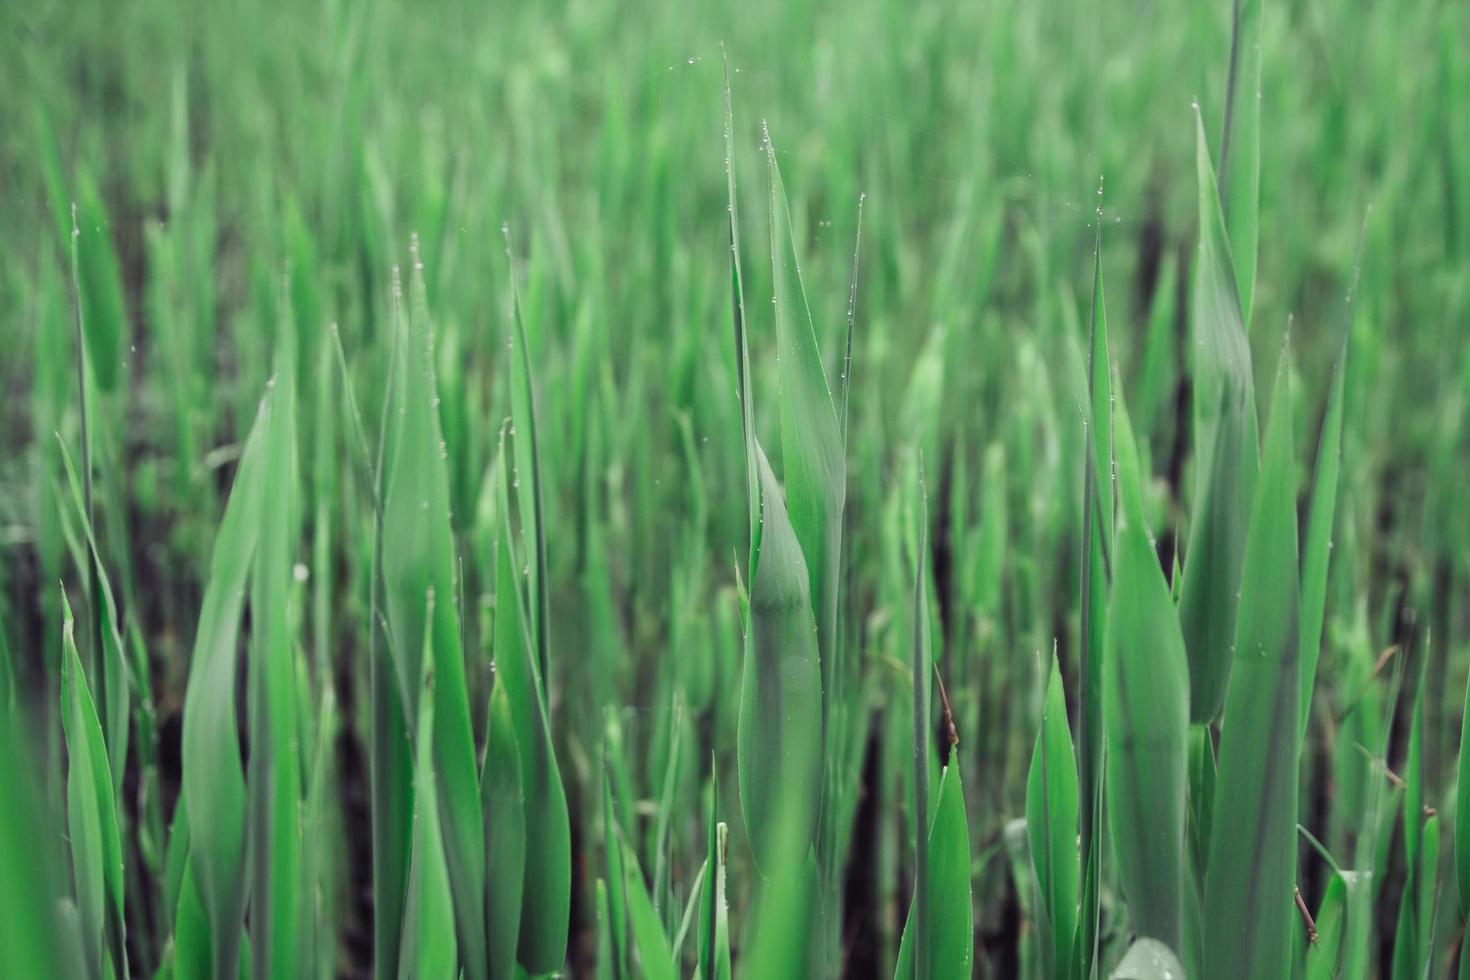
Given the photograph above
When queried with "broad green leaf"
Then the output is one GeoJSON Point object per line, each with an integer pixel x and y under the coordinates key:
{"type": "Point", "coordinates": [418, 558]}
{"type": "Point", "coordinates": [546, 894]}
{"type": "Point", "coordinates": [1252, 863]}
{"type": "Point", "coordinates": [505, 837]}
{"type": "Point", "coordinates": [91, 818]}
{"type": "Point", "coordinates": [949, 937]}
{"type": "Point", "coordinates": [1051, 824]}
{"type": "Point", "coordinates": [1148, 959]}
{"type": "Point", "coordinates": [1317, 548]}
{"type": "Point", "coordinates": [1225, 455]}
{"type": "Point", "coordinates": [428, 951]}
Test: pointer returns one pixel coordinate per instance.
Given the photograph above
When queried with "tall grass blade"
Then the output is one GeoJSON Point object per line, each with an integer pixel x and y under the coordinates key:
{"type": "Point", "coordinates": [428, 951]}
{"type": "Point", "coordinates": [1240, 148]}
{"type": "Point", "coordinates": [418, 558]}
{"type": "Point", "coordinates": [92, 823]}
{"type": "Point", "coordinates": [1146, 715]}
{"type": "Point", "coordinates": [1225, 439]}
{"type": "Point", "coordinates": [275, 758]}
{"type": "Point", "coordinates": [1051, 825]}
{"type": "Point", "coordinates": [213, 778]}
{"type": "Point", "coordinates": [546, 901]}
{"type": "Point", "coordinates": [1252, 856]}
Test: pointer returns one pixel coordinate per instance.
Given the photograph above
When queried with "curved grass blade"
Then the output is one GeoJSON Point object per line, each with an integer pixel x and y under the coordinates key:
{"type": "Point", "coordinates": [1051, 825]}
{"type": "Point", "coordinates": [1252, 864]}
{"type": "Point", "coordinates": [546, 894]}
{"type": "Point", "coordinates": [96, 848]}
{"type": "Point", "coordinates": [1323, 955]}
{"type": "Point", "coordinates": [1225, 445]}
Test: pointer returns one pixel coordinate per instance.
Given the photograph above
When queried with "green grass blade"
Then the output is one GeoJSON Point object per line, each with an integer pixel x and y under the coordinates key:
{"type": "Point", "coordinates": [949, 938]}
{"type": "Point", "coordinates": [92, 826]}
{"type": "Point", "coordinates": [1317, 548]}
{"type": "Point", "coordinates": [1252, 856]}
{"type": "Point", "coordinates": [545, 904]}
{"type": "Point", "coordinates": [213, 779]}
{"type": "Point", "coordinates": [616, 920]}
{"type": "Point", "coordinates": [115, 676]}
{"type": "Point", "coordinates": [1323, 955]}
{"type": "Point", "coordinates": [649, 941]}
{"type": "Point", "coordinates": [1225, 440]}
{"type": "Point", "coordinates": [31, 941]}
{"type": "Point", "coordinates": [1462, 806]}
{"type": "Point", "coordinates": [391, 773]}
{"type": "Point", "coordinates": [428, 951]}
{"type": "Point", "coordinates": [812, 447]}
{"type": "Point", "coordinates": [1146, 716]}
{"type": "Point", "coordinates": [505, 837]}
{"type": "Point", "coordinates": [1097, 561]}
{"type": "Point", "coordinates": [714, 926]}
{"type": "Point", "coordinates": [920, 667]}
{"type": "Point", "coordinates": [418, 557]}
{"type": "Point", "coordinates": [528, 476]}
{"type": "Point", "coordinates": [1051, 825]}
{"type": "Point", "coordinates": [1240, 148]}
{"type": "Point", "coordinates": [275, 781]}
{"type": "Point", "coordinates": [780, 725]}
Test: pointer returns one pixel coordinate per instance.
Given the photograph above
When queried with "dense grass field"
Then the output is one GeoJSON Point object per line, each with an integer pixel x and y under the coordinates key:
{"type": "Point", "coordinates": [425, 552]}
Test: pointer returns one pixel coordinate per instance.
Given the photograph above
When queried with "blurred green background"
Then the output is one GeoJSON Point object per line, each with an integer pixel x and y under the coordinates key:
{"type": "Point", "coordinates": [211, 148]}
